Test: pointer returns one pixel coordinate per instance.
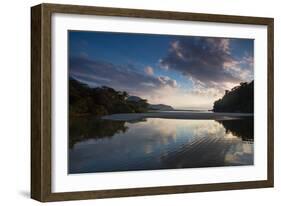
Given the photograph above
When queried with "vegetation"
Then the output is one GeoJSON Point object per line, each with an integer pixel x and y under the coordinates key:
{"type": "Point", "coordinates": [100, 101]}
{"type": "Point", "coordinates": [238, 99]}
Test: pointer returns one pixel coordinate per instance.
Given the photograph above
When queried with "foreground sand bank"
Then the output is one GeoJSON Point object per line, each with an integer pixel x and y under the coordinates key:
{"type": "Point", "coordinates": [176, 115]}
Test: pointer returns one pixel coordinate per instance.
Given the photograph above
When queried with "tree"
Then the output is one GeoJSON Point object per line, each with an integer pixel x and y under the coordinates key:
{"type": "Point", "coordinates": [100, 101]}
{"type": "Point", "coordinates": [238, 99]}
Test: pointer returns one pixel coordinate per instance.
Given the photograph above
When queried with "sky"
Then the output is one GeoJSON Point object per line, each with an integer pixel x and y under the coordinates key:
{"type": "Point", "coordinates": [186, 72]}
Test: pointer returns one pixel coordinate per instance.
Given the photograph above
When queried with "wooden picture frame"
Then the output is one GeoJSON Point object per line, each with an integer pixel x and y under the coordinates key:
{"type": "Point", "coordinates": [41, 117]}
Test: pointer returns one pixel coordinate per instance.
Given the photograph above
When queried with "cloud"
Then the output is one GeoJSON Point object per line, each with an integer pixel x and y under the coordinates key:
{"type": "Point", "coordinates": [167, 81]}
{"type": "Point", "coordinates": [207, 61]}
{"type": "Point", "coordinates": [120, 77]}
{"type": "Point", "coordinates": [149, 70]}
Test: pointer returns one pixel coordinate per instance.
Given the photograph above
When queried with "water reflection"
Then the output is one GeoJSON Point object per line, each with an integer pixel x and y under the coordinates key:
{"type": "Point", "coordinates": [242, 128]}
{"type": "Point", "coordinates": [103, 145]}
{"type": "Point", "coordinates": [83, 128]}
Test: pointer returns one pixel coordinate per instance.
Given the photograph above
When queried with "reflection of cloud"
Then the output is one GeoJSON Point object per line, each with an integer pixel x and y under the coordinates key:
{"type": "Point", "coordinates": [229, 135]}
{"type": "Point", "coordinates": [155, 132]}
{"type": "Point", "coordinates": [171, 130]}
{"type": "Point", "coordinates": [240, 153]}
{"type": "Point", "coordinates": [177, 135]}
{"type": "Point", "coordinates": [158, 143]}
{"type": "Point", "coordinates": [248, 148]}
{"type": "Point", "coordinates": [148, 149]}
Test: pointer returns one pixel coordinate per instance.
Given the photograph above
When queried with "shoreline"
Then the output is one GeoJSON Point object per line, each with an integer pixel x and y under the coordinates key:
{"type": "Point", "coordinates": [176, 115]}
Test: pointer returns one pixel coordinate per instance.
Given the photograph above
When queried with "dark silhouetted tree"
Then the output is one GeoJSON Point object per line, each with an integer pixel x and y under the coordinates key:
{"type": "Point", "coordinates": [100, 101]}
{"type": "Point", "coordinates": [238, 99]}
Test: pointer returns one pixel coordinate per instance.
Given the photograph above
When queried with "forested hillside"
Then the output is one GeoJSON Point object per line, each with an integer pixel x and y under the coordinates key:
{"type": "Point", "coordinates": [238, 99]}
{"type": "Point", "coordinates": [100, 101]}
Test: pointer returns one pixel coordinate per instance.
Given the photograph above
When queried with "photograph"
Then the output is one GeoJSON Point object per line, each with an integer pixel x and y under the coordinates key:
{"type": "Point", "coordinates": [154, 101]}
{"type": "Point", "coordinates": [133, 102]}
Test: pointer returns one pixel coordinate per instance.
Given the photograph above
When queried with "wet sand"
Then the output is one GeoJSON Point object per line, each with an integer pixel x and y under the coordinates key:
{"type": "Point", "coordinates": [176, 115]}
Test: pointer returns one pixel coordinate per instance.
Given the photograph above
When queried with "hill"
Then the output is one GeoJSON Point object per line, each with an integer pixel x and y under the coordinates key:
{"type": "Point", "coordinates": [238, 99]}
{"type": "Point", "coordinates": [100, 101]}
{"type": "Point", "coordinates": [160, 107]}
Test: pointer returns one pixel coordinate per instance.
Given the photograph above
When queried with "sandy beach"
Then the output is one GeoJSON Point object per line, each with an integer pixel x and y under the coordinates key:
{"type": "Point", "coordinates": [176, 115]}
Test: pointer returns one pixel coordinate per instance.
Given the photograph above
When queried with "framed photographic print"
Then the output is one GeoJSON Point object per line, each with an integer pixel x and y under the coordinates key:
{"type": "Point", "coordinates": [130, 102]}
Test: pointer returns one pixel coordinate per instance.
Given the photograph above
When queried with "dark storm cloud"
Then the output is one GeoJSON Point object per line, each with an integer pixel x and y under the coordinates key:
{"type": "Point", "coordinates": [120, 77]}
{"type": "Point", "coordinates": [205, 60]}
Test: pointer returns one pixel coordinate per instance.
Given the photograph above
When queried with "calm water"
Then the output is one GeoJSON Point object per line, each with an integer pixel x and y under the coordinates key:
{"type": "Point", "coordinates": [104, 145]}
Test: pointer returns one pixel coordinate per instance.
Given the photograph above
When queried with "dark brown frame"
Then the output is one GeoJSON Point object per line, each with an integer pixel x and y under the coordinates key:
{"type": "Point", "coordinates": [41, 101]}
